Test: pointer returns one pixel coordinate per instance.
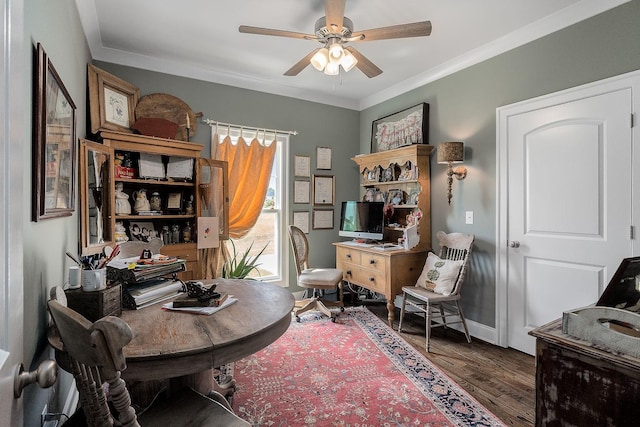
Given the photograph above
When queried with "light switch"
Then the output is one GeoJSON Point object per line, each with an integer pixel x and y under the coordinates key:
{"type": "Point", "coordinates": [469, 217]}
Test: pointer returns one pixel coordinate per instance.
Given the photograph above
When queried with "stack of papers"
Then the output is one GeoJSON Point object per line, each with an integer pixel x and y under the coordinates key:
{"type": "Point", "coordinates": [151, 292]}
{"type": "Point", "coordinates": [201, 310]}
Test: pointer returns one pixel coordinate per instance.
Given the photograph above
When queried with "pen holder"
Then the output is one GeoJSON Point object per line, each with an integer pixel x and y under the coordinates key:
{"type": "Point", "coordinates": [94, 280]}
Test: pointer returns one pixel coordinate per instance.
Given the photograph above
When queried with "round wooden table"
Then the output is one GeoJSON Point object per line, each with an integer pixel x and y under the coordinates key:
{"type": "Point", "coordinates": [173, 345]}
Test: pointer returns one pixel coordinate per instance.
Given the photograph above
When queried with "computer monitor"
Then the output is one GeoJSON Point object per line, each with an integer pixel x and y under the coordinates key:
{"type": "Point", "coordinates": [362, 220]}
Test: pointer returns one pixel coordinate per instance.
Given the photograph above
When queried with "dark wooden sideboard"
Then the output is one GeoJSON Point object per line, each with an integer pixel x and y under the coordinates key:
{"type": "Point", "coordinates": [580, 385]}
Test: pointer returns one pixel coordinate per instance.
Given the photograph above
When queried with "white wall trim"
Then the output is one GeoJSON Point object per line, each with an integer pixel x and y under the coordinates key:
{"type": "Point", "coordinates": [570, 15]}
{"type": "Point", "coordinates": [503, 114]}
{"type": "Point", "coordinates": [71, 402]}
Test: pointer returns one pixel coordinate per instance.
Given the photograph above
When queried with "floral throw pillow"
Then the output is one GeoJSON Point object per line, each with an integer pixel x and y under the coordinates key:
{"type": "Point", "coordinates": [439, 275]}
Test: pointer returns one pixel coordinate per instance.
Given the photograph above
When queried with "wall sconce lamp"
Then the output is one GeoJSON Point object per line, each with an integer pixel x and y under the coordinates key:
{"type": "Point", "coordinates": [449, 153]}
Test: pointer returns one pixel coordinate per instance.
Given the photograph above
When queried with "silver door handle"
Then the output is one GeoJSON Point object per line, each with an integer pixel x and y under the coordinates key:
{"type": "Point", "coordinates": [45, 376]}
{"type": "Point", "coordinates": [514, 244]}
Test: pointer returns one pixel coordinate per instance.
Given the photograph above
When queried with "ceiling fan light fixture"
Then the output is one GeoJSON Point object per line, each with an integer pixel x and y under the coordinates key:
{"type": "Point", "coordinates": [336, 52]}
{"type": "Point", "coordinates": [320, 59]}
{"type": "Point", "coordinates": [332, 68]}
{"type": "Point", "coordinates": [348, 61]}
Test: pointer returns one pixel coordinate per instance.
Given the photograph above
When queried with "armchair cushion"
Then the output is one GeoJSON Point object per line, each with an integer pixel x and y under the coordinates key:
{"type": "Point", "coordinates": [439, 275]}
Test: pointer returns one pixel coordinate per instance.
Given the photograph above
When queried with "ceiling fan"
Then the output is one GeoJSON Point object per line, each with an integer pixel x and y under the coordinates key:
{"type": "Point", "coordinates": [334, 31]}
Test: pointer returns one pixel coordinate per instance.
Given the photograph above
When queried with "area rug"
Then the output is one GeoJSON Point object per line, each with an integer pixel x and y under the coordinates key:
{"type": "Point", "coordinates": [354, 372]}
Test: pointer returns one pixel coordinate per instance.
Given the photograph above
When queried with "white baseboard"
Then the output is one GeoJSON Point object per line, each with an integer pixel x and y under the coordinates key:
{"type": "Point", "coordinates": [71, 402]}
{"type": "Point", "coordinates": [476, 330]}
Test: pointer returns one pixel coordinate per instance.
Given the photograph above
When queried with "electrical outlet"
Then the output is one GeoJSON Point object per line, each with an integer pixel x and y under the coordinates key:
{"type": "Point", "coordinates": [469, 217]}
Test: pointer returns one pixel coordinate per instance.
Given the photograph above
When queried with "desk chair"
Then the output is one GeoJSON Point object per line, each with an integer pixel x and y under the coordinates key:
{"type": "Point", "coordinates": [437, 291]}
{"type": "Point", "coordinates": [313, 278]}
{"type": "Point", "coordinates": [95, 354]}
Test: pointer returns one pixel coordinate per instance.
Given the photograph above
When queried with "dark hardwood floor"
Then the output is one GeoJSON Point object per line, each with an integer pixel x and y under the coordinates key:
{"type": "Point", "coordinates": [503, 380]}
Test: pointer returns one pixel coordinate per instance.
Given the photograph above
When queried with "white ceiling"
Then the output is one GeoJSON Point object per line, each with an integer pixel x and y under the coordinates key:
{"type": "Point", "coordinates": [200, 39]}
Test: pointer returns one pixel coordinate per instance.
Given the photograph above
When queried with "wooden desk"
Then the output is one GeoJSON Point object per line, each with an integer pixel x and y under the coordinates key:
{"type": "Point", "coordinates": [169, 344]}
{"type": "Point", "coordinates": [385, 272]}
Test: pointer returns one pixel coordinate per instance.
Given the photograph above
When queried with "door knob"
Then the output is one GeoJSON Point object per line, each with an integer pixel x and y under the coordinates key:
{"type": "Point", "coordinates": [45, 375]}
{"type": "Point", "coordinates": [514, 244]}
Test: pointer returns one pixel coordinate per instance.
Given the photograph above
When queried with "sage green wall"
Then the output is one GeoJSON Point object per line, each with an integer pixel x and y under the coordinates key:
{"type": "Point", "coordinates": [56, 25]}
{"type": "Point", "coordinates": [317, 125]}
{"type": "Point", "coordinates": [463, 107]}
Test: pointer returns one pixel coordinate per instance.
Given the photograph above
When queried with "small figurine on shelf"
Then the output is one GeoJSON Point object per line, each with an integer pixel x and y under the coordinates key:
{"type": "Point", "coordinates": [120, 233]}
{"type": "Point", "coordinates": [188, 209]}
{"type": "Point", "coordinates": [186, 233]}
{"type": "Point", "coordinates": [142, 203]}
{"type": "Point", "coordinates": [175, 233]}
{"type": "Point", "coordinates": [166, 235]}
{"type": "Point", "coordinates": [155, 202]}
{"type": "Point", "coordinates": [123, 207]}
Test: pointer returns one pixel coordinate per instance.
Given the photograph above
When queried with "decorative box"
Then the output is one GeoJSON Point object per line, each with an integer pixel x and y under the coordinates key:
{"type": "Point", "coordinates": [123, 172]}
{"type": "Point", "coordinates": [96, 304]}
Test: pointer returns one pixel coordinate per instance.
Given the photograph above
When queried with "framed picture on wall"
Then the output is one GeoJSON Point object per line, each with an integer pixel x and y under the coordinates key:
{"type": "Point", "coordinates": [406, 127]}
{"type": "Point", "coordinates": [323, 158]}
{"type": "Point", "coordinates": [54, 143]}
{"type": "Point", "coordinates": [112, 101]}
{"type": "Point", "coordinates": [301, 220]}
{"type": "Point", "coordinates": [322, 219]}
{"type": "Point", "coordinates": [323, 190]}
{"type": "Point", "coordinates": [302, 166]}
{"type": "Point", "coordinates": [301, 191]}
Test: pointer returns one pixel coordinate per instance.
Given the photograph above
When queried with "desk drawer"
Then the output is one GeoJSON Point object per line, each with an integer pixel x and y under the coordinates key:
{"type": "Point", "coordinates": [367, 278]}
{"type": "Point", "coordinates": [348, 255]}
{"type": "Point", "coordinates": [374, 262]}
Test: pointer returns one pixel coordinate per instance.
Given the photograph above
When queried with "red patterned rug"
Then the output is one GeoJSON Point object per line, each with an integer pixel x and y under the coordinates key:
{"type": "Point", "coordinates": [355, 372]}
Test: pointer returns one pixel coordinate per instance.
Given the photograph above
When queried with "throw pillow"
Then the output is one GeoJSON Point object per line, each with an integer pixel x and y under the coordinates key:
{"type": "Point", "coordinates": [439, 275]}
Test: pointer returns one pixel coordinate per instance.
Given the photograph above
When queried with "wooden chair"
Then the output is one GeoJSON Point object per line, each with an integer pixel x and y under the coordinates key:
{"type": "Point", "coordinates": [313, 278]}
{"type": "Point", "coordinates": [436, 306]}
{"type": "Point", "coordinates": [95, 355]}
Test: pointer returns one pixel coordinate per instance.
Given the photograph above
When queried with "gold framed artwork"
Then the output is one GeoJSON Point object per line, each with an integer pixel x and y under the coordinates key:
{"type": "Point", "coordinates": [301, 191]}
{"type": "Point", "coordinates": [54, 142]}
{"type": "Point", "coordinates": [112, 101]}
{"type": "Point", "coordinates": [323, 190]}
{"type": "Point", "coordinates": [302, 166]}
{"type": "Point", "coordinates": [301, 220]}
{"type": "Point", "coordinates": [322, 219]}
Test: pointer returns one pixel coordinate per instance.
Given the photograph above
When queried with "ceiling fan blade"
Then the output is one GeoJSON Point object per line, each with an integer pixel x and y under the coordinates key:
{"type": "Point", "coordinates": [367, 67]}
{"type": "Point", "coordinates": [271, 32]}
{"type": "Point", "coordinates": [415, 29]}
{"type": "Point", "coordinates": [301, 65]}
{"type": "Point", "coordinates": [334, 13]}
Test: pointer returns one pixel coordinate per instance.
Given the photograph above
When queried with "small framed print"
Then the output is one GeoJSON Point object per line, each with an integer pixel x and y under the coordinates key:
{"type": "Point", "coordinates": [322, 219]}
{"type": "Point", "coordinates": [174, 202]}
{"type": "Point", "coordinates": [301, 191]}
{"type": "Point", "coordinates": [301, 220]}
{"type": "Point", "coordinates": [323, 190]}
{"type": "Point", "coordinates": [112, 101]}
{"type": "Point", "coordinates": [395, 197]}
{"type": "Point", "coordinates": [323, 158]}
{"type": "Point", "coordinates": [302, 166]}
{"type": "Point", "coordinates": [369, 195]}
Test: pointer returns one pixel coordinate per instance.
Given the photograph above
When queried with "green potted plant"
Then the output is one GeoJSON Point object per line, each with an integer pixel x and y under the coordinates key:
{"type": "Point", "coordinates": [240, 265]}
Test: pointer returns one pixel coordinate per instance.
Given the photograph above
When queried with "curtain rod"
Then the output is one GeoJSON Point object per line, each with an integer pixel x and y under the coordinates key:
{"type": "Point", "coordinates": [276, 131]}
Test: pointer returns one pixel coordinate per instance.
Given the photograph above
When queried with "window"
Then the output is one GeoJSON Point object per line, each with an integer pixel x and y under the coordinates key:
{"type": "Point", "coordinates": [270, 228]}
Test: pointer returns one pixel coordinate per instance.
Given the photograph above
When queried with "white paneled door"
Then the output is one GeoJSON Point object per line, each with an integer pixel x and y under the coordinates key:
{"type": "Point", "coordinates": [569, 169]}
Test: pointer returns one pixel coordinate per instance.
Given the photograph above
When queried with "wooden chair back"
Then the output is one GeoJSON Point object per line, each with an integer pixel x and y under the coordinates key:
{"type": "Point", "coordinates": [300, 246]}
{"type": "Point", "coordinates": [95, 355]}
{"type": "Point", "coordinates": [456, 247]}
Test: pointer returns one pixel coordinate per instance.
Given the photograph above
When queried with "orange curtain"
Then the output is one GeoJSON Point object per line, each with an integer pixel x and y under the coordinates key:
{"type": "Point", "coordinates": [249, 173]}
